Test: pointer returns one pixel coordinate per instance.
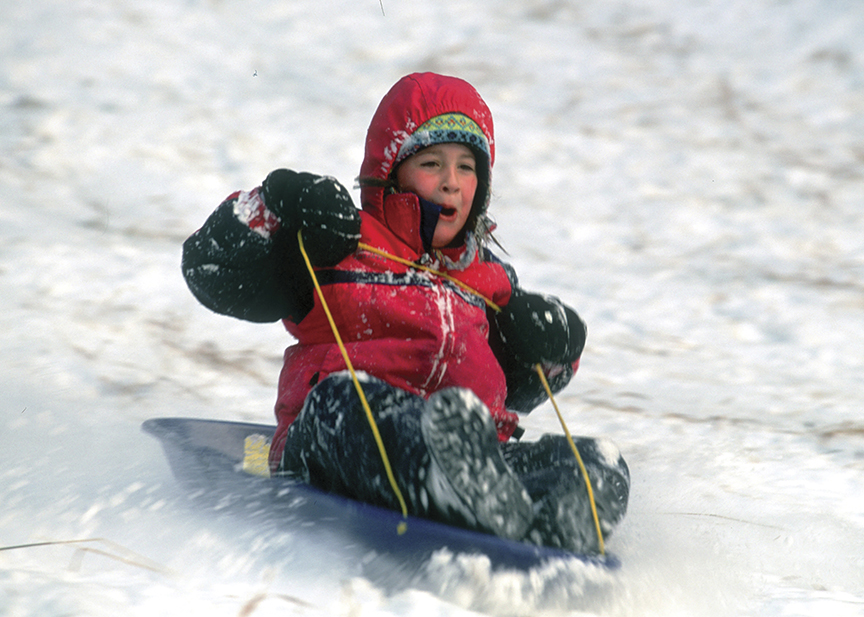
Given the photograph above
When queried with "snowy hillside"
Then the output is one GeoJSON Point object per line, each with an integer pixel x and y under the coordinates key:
{"type": "Point", "coordinates": [689, 175]}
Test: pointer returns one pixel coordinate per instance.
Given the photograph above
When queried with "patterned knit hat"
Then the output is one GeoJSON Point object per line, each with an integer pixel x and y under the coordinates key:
{"type": "Point", "coordinates": [446, 128]}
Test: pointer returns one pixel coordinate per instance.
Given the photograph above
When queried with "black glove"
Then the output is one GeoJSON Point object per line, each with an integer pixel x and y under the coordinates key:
{"type": "Point", "coordinates": [318, 206]}
{"type": "Point", "coordinates": [540, 329]}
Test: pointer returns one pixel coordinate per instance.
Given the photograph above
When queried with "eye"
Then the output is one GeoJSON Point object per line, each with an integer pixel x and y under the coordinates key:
{"type": "Point", "coordinates": [467, 166]}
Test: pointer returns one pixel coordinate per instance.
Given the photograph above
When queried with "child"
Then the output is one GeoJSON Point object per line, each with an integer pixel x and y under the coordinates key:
{"type": "Point", "coordinates": [443, 364]}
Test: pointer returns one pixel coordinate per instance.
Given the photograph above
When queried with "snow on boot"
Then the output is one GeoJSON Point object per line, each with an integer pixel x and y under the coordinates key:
{"type": "Point", "coordinates": [564, 518]}
{"type": "Point", "coordinates": [468, 477]}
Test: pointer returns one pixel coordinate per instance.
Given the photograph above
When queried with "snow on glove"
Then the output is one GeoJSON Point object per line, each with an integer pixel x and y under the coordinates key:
{"type": "Point", "coordinates": [320, 207]}
{"type": "Point", "coordinates": [541, 329]}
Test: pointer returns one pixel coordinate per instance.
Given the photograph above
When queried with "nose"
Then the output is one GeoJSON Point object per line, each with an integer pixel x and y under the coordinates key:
{"type": "Point", "coordinates": [449, 181]}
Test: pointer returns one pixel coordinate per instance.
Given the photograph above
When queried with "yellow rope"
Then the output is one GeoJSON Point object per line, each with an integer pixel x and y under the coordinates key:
{"type": "Point", "coordinates": [543, 379]}
{"type": "Point", "coordinates": [444, 275]}
{"type": "Point", "coordinates": [403, 526]}
{"type": "Point", "coordinates": [578, 459]}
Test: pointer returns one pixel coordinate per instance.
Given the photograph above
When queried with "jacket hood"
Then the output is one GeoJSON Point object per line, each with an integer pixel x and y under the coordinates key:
{"type": "Point", "coordinates": [422, 109]}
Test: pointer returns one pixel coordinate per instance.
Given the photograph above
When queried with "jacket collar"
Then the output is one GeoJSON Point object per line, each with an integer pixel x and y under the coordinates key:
{"type": "Point", "coordinates": [413, 221]}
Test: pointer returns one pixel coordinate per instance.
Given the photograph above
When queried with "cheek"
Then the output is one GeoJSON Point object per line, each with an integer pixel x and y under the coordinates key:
{"type": "Point", "coordinates": [470, 189]}
{"type": "Point", "coordinates": [403, 177]}
{"type": "Point", "coordinates": [413, 180]}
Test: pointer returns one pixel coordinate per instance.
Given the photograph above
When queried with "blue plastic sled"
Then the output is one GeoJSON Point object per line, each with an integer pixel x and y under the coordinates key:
{"type": "Point", "coordinates": [213, 458]}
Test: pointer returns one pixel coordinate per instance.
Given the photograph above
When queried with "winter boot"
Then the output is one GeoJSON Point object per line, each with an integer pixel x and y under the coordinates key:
{"type": "Point", "coordinates": [468, 479]}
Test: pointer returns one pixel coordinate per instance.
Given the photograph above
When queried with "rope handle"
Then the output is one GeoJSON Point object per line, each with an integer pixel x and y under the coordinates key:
{"type": "Point", "coordinates": [403, 526]}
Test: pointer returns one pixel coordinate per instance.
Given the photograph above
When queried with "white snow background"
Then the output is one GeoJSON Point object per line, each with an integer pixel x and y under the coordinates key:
{"type": "Point", "coordinates": [688, 174]}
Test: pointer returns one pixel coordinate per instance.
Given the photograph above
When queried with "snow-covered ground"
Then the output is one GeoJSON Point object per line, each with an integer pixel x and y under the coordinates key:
{"type": "Point", "coordinates": [688, 174]}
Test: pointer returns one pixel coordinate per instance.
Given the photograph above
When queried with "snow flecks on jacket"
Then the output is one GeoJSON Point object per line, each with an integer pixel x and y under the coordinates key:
{"type": "Point", "coordinates": [439, 362]}
{"type": "Point", "coordinates": [392, 150]}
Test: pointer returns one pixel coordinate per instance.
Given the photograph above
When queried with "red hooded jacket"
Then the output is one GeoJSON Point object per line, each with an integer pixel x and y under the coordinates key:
{"type": "Point", "coordinates": [412, 329]}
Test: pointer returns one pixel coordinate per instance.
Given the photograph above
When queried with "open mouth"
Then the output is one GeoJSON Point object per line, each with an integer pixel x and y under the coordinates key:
{"type": "Point", "coordinates": [448, 212]}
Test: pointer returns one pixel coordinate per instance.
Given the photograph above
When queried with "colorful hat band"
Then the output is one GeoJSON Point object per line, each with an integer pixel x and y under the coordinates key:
{"type": "Point", "coordinates": [446, 128]}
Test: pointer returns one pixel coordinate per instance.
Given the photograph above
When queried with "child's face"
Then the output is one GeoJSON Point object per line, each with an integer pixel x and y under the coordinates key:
{"type": "Point", "coordinates": [445, 174]}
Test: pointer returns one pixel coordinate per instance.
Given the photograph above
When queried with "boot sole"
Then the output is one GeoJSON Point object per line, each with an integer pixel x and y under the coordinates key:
{"type": "Point", "coordinates": [468, 469]}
